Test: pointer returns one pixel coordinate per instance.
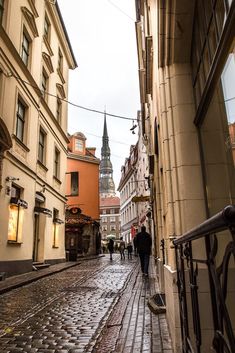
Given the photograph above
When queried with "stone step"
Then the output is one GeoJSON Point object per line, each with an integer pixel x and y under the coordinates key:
{"type": "Point", "coordinates": [40, 265]}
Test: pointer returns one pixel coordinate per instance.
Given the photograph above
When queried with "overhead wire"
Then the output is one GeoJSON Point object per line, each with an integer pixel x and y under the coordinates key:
{"type": "Point", "coordinates": [67, 101]}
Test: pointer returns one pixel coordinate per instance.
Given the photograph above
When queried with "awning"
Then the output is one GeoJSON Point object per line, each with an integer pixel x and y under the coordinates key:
{"type": "Point", "coordinates": [140, 198]}
{"type": "Point", "coordinates": [43, 210]}
{"type": "Point", "coordinates": [18, 202]}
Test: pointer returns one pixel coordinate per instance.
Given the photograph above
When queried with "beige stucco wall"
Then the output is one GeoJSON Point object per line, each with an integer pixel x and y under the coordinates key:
{"type": "Point", "coordinates": [20, 161]}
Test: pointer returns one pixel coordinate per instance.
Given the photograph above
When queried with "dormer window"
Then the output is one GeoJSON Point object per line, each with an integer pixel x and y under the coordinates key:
{"type": "Point", "coordinates": [79, 145]}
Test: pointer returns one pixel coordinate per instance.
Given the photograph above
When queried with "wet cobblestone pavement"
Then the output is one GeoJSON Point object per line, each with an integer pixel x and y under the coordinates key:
{"type": "Point", "coordinates": [97, 306]}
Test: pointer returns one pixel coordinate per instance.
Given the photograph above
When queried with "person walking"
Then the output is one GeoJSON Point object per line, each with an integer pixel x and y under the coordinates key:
{"type": "Point", "coordinates": [111, 248]}
{"type": "Point", "coordinates": [144, 244]}
{"type": "Point", "coordinates": [122, 248]}
{"type": "Point", "coordinates": [129, 250]}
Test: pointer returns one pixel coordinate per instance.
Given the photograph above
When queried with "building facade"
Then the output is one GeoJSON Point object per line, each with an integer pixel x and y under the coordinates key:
{"type": "Point", "coordinates": [186, 75]}
{"type": "Point", "coordinates": [82, 192]}
{"type": "Point", "coordinates": [35, 58]}
{"type": "Point", "coordinates": [128, 187]}
{"type": "Point", "coordinates": [110, 217]}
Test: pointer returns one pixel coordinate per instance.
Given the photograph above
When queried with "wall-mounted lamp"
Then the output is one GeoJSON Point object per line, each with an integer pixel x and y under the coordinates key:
{"type": "Point", "coordinates": [134, 126]}
{"type": "Point", "coordinates": [9, 180]}
{"type": "Point", "coordinates": [43, 188]}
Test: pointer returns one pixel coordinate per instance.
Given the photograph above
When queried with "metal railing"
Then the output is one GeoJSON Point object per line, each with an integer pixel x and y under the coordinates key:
{"type": "Point", "coordinates": [222, 338]}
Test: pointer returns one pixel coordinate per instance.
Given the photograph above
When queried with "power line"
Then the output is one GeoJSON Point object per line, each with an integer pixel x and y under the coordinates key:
{"type": "Point", "coordinates": [65, 100]}
{"type": "Point", "coordinates": [118, 8]}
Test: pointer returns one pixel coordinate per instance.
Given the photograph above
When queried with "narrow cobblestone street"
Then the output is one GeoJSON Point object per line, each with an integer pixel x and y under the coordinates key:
{"type": "Point", "coordinates": [96, 306]}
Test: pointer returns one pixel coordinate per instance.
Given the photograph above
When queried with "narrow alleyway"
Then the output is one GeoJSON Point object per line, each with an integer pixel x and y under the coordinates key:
{"type": "Point", "coordinates": [97, 306]}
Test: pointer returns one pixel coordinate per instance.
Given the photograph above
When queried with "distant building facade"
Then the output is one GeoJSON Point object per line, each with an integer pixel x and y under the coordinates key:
{"type": "Point", "coordinates": [82, 192]}
{"type": "Point", "coordinates": [35, 58]}
{"type": "Point", "coordinates": [128, 190]}
{"type": "Point", "coordinates": [110, 216]}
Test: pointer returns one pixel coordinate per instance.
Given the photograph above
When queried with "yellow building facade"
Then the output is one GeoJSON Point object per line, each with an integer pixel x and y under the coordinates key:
{"type": "Point", "coordinates": [35, 58]}
{"type": "Point", "coordinates": [186, 75]}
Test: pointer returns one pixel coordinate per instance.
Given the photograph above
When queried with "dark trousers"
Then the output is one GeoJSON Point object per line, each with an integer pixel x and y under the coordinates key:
{"type": "Point", "coordinates": [144, 262]}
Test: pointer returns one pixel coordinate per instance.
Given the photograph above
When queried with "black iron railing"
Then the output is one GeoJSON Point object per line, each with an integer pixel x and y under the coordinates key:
{"type": "Point", "coordinates": [218, 276]}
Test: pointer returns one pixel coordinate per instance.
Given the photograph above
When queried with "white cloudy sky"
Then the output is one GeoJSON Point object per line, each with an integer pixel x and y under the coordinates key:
{"type": "Point", "coordinates": [102, 35]}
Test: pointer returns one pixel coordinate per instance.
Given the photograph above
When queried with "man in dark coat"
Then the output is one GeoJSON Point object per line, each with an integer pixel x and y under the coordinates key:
{"type": "Point", "coordinates": [144, 244]}
{"type": "Point", "coordinates": [111, 248]}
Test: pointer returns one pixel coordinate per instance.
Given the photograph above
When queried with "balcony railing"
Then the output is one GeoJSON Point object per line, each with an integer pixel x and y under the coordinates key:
{"type": "Point", "coordinates": [203, 332]}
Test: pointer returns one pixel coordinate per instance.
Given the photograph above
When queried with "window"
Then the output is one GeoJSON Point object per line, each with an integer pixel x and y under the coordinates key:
{"type": "Point", "coordinates": [25, 49]}
{"type": "Point", "coordinates": [20, 121]}
{"type": "Point", "coordinates": [41, 147]}
{"type": "Point", "coordinates": [57, 163]}
{"type": "Point", "coordinates": [1, 10]}
{"type": "Point", "coordinates": [58, 109]}
{"type": "Point", "coordinates": [47, 28]}
{"type": "Point", "coordinates": [44, 83]}
{"type": "Point", "coordinates": [104, 219]}
{"type": "Point", "coordinates": [113, 227]}
{"type": "Point", "coordinates": [72, 184]}
{"type": "Point", "coordinates": [112, 211]}
{"type": "Point", "coordinates": [104, 228]}
{"type": "Point", "coordinates": [60, 62]}
{"type": "Point", "coordinates": [78, 145]}
{"type": "Point", "coordinates": [16, 213]}
{"type": "Point", "coordinates": [104, 211]}
{"type": "Point", "coordinates": [112, 219]}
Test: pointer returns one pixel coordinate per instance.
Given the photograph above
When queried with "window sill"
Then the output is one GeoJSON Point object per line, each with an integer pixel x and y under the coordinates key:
{"type": "Point", "coordinates": [12, 242]}
{"type": "Point", "coordinates": [56, 179]}
{"type": "Point", "coordinates": [42, 165]}
{"type": "Point", "coordinates": [20, 143]}
{"type": "Point", "coordinates": [55, 247]}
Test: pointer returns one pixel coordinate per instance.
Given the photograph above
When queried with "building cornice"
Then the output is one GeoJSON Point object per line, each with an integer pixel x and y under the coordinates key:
{"type": "Point", "coordinates": [83, 158]}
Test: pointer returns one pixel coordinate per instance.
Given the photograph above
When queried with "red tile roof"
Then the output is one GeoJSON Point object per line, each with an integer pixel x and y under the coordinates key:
{"type": "Point", "coordinates": [109, 201]}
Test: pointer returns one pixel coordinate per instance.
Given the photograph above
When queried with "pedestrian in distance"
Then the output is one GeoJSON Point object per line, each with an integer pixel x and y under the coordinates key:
{"type": "Point", "coordinates": [111, 248]}
{"type": "Point", "coordinates": [135, 248]}
{"type": "Point", "coordinates": [122, 247]}
{"type": "Point", "coordinates": [144, 244]}
{"type": "Point", "coordinates": [129, 250]}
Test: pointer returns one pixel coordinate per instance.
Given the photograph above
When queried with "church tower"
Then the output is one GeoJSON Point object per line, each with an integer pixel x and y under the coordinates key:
{"type": "Point", "coordinates": [107, 187]}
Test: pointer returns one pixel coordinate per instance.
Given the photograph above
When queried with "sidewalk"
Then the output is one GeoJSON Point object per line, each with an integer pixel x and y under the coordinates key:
{"type": "Point", "coordinates": [17, 281]}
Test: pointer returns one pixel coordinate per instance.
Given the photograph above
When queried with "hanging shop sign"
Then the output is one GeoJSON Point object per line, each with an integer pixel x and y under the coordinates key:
{"type": "Point", "coordinates": [140, 198]}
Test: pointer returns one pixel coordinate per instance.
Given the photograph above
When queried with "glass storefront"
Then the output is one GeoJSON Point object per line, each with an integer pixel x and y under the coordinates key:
{"type": "Point", "coordinates": [218, 141]}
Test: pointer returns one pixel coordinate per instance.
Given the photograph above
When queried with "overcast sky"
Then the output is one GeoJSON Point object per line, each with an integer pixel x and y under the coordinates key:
{"type": "Point", "coordinates": [102, 35]}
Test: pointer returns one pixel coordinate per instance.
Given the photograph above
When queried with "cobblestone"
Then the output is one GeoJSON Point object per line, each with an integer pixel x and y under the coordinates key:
{"type": "Point", "coordinates": [98, 306]}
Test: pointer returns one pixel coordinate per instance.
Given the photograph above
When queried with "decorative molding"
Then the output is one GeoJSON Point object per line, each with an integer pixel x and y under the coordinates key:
{"type": "Point", "coordinates": [47, 44]}
{"type": "Point", "coordinates": [30, 20]}
{"type": "Point", "coordinates": [33, 8]}
{"type": "Point", "coordinates": [48, 62]}
{"type": "Point", "coordinates": [61, 90]}
{"type": "Point", "coordinates": [60, 75]}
